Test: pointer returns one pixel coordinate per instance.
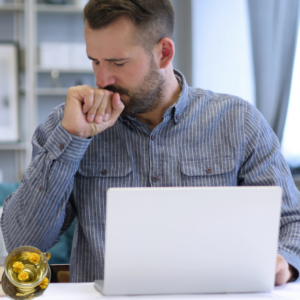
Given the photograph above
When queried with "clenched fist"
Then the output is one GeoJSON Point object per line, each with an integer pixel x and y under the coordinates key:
{"type": "Point", "coordinates": [89, 111]}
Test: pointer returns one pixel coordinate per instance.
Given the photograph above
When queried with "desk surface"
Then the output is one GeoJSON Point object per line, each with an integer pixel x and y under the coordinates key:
{"type": "Point", "coordinates": [87, 291]}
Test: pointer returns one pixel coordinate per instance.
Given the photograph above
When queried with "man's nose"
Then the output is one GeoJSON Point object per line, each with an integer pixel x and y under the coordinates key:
{"type": "Point", "coordinates": [104, 77]}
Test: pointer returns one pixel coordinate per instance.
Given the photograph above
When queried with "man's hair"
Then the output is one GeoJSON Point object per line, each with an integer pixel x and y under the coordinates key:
{"type": "Point", "coordinates": [154, 19]}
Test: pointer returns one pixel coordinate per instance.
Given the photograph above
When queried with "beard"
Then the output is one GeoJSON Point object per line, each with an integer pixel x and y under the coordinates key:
{"type": "Point", "coordinates": [146, 97]}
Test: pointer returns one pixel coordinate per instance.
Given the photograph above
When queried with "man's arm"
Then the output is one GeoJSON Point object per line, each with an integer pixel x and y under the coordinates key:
{"type": "Point", "coordinates": [265, 165]}
{"type": "Point", "coordinates": [42, 208]}
{"type": "Point", "coordinates": [35, 213]}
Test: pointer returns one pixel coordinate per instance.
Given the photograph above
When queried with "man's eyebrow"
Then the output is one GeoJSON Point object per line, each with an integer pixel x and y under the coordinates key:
{"type": "Point", "coordinates": [111, 59]}
{"type": "Point", "coordinates": [116, 59]}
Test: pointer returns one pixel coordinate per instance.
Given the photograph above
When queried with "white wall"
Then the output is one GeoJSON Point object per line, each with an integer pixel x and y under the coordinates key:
{"type": "Point", "coordinates": [222, 59]}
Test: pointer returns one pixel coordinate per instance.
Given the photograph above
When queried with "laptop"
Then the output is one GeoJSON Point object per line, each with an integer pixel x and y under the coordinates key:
{"type": "Point", "coordinates": [187, 240]}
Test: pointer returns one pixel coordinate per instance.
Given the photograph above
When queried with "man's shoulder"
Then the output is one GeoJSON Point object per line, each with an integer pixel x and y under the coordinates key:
{"type": "Point", "coordinates": [211, 97]}
{"type": "Point", "coordinates": [212, 102]}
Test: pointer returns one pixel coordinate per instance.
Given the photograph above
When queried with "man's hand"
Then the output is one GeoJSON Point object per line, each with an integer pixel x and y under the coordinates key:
{"type": "Point", "coordinates": [89, 111]}
{"type": "Point", "coordinates": [283, 271]}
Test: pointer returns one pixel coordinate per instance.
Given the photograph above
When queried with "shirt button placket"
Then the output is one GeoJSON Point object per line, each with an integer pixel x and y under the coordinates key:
{"type": "Point", "coordinates": [104, 172]}
{"type": "Point", "coordinates": [208, 170]}
{"type": "Point", "coordinates": [154, 178]}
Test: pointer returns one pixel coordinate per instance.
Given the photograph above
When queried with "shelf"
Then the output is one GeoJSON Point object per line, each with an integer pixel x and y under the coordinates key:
{"type": "Point", "coordinates": [63, 8]}
{"type": "Point", "coordinates": [66, 71]}
{"type": "Point", "coordinates": [13, 146]}
{"type": "Point", "coordinates": [38, 94]}
{"type": "Point", "coordinates": [11, 7]}
{"type": "Point", "coordinates": [52, 92]}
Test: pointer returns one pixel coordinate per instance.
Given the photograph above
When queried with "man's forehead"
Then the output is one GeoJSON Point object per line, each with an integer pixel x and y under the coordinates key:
{"type": "Point", "coordinates": [112, 43]}
{"type": "Point", "coordinates": [108, 51]}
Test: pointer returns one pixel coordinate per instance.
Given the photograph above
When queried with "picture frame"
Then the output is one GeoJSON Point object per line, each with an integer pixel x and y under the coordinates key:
{"type": "Point", "coordinates": [9, 125]}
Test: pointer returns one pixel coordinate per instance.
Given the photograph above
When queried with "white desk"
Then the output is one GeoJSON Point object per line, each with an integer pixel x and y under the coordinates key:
{"type": "Point", "coordinates": [86, 291]}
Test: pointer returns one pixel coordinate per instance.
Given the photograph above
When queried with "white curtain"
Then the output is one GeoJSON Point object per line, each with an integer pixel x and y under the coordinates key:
{"type": "Point", "coordinates": [274, 25]}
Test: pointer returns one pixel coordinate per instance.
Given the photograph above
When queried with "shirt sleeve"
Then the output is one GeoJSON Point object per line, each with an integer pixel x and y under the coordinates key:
{"type": "Point", "coordinates": [42, 208]}
{"type": "Point", "coordinates": [264, 165]}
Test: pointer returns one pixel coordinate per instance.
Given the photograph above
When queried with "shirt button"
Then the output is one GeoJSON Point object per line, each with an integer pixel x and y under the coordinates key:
{"type": "Point", "coordinates": [61, 146]}
{"type": "Point", "coordinates": [104, 172]}
{"type": "Point", "coordinates": [154, 178]}
{"type": "Point", "coordinates": [208, 170]}
{"type": "Point", "coordinates": [153, 137]}
{"type": "Point", "coordinates": [177, 117]}
{"type": "Point", "coordinates": [41, 188]}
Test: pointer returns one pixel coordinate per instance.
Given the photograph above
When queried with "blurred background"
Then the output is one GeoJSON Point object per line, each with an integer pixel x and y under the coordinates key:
{"type": "Point", "coordinates": [247, 48]}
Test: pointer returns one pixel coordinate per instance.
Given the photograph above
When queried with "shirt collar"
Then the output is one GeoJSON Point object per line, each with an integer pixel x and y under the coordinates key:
{"type": "Point", "coordinates": [179, 106]}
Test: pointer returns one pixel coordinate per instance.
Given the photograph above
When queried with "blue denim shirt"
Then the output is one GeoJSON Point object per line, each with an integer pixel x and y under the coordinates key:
{"type": "Point", "coordinates": [205, 139]}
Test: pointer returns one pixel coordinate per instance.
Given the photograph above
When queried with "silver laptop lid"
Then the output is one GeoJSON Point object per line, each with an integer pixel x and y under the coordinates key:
{"type": "Point", "coordinates": [191, 240]}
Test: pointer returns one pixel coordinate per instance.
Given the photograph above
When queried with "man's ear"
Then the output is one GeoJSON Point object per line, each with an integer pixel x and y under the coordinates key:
{"type": "Point", "coordinates": [166, 52]}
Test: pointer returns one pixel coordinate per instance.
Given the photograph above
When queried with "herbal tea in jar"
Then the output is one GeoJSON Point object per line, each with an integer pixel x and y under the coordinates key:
{"type": "Point", "coordinates": [26, 268]}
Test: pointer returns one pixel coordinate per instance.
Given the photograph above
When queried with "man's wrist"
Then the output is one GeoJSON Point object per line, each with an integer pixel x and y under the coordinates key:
{"type": "Point", "coordinates": [72, 131]}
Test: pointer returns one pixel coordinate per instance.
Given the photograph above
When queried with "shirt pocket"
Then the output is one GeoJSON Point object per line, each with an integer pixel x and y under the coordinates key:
{"type": "Point", "coordinates": [90, 187]}
{"type": "Point", "coordinates": [209, 172]}
{"type": "Point", "coordinates": [105, 170]}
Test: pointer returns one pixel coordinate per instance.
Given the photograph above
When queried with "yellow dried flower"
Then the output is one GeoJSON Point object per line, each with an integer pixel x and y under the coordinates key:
{"type": "Point", "coordinates": [44, 283]}
{"type": "Point", "coordinates": [23, 276]}
{"type": "Point", "coordinates": [34, 258]}
{"type": "Point", "coordinates": [18, 267]}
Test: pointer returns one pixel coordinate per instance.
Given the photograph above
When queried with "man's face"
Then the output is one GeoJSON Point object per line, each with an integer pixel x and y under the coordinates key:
{"type": "Point", "coordinates": [122, 66]}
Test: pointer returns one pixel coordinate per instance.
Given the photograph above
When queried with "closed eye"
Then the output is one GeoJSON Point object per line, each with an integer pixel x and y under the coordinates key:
{"type": "Point", "coordinates": [120, 65]}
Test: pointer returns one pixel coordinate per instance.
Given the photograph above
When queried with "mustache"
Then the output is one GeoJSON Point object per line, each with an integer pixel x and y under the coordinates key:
{"type": "Point", "coordinates": [117, 89]}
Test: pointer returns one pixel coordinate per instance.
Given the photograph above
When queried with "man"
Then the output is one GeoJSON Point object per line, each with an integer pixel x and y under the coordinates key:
{"type": "Point", "coordinates": [143, 126]}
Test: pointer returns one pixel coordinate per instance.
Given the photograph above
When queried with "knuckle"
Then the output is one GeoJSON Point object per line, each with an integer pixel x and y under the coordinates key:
{"type": "Point", "coordinates": [100, 93]}
{"type": "Point", "coordinates": [106, 93]}
{"type": "Point", "coordinates": [71, 90]}
{"type": "Point", "coordinates": [86, 87]}
{"type": "Point", "coordinates": [90, 91]}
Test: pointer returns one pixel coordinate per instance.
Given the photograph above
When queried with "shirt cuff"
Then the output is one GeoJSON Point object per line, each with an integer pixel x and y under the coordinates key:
{"type": "Point", "coordinates": [65, 146]}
